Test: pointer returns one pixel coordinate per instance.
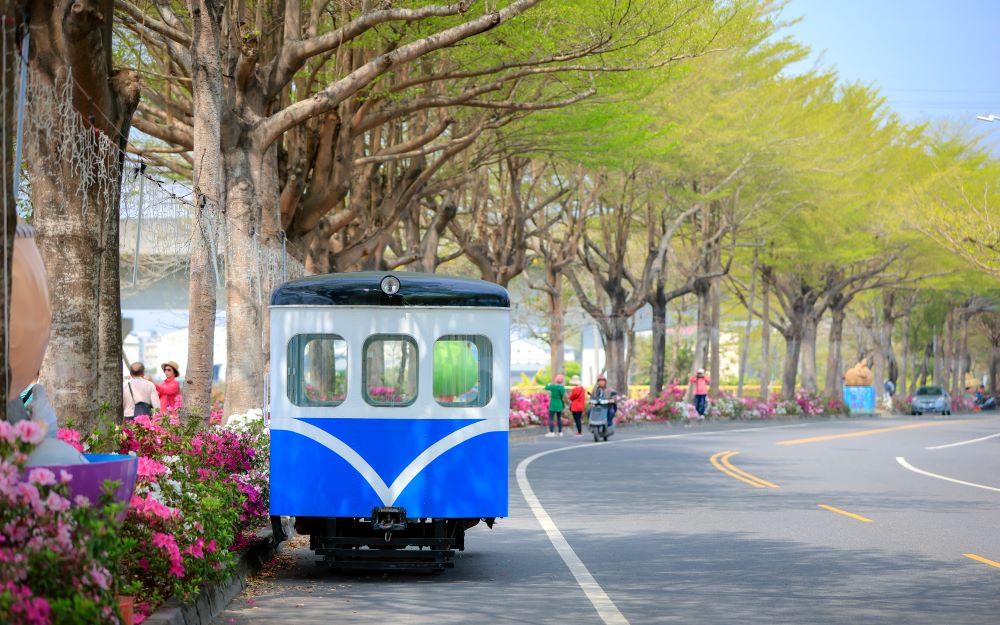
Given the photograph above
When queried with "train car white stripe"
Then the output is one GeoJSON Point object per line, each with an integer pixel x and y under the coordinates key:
{"type": "Point", "coordinates": [387, 494]}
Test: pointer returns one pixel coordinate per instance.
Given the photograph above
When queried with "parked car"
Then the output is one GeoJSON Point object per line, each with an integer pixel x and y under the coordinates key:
{"type": "Point", "coordinates": [931, 399]}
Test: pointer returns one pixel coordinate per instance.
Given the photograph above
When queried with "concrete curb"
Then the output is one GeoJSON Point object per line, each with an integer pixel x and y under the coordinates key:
{"type": "Point", "coordinates": [215, 597]}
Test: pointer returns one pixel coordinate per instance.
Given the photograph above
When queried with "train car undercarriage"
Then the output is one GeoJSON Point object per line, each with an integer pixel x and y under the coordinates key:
{"type": "Point", "coordinates": [387, 541]}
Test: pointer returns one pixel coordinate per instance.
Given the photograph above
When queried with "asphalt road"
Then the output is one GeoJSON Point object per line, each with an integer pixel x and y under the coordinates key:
{"type": "Point", "coordinates": [658, 526]}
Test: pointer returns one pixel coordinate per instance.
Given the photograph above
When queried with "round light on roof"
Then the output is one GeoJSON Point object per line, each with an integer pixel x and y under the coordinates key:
{"type": "Point", "coordinates": [390, 285]}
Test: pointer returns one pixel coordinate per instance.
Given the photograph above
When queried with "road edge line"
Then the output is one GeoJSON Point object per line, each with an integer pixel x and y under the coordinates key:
{"type": "Point", "coordinates": [974, 440]}
{"type": "Point", "coordinates": [602, 603]}
{"type": "Point", "coordinates": [906, 465]}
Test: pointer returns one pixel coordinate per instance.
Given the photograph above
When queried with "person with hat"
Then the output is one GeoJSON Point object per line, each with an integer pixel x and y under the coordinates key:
{"type": "Point", "coordinates": [602, 393]}
{"type": "Point", "coordinates": [701, 382]}
{"type": "Point", "coordinates": [577, 402]}
{"type": "Point", "coordinates": [170, 388]}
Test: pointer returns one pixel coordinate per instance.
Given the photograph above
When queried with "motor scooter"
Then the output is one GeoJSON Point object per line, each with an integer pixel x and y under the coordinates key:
{"type": "Point", "coordinates": [598, 418]}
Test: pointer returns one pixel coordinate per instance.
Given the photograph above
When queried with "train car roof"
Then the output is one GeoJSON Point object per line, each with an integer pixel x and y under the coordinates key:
{"type": "Point", "coordinates": [363, 288]}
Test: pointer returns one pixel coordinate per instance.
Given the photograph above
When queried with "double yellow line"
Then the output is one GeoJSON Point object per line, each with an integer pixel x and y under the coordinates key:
{"type": "Point", "coordinates": [721, 462]}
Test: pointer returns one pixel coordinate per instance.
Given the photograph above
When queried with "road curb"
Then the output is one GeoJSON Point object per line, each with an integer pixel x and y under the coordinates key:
{"type": "Point", "coordinates": [215, 597]}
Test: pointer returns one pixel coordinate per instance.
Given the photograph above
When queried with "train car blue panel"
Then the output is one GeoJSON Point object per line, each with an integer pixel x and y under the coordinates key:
{"type": "Point", "coordinates": [430, 467]}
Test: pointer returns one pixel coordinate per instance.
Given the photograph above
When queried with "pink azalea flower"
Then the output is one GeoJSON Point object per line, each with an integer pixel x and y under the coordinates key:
{"type": "Point", "coordinates": [72, 437]}
{"type": "Point", "coordinates": [150, 469]}
{"type": "Point", "coordinates": [57, 503]}
{"type": "Point", "coordinates": [30, 432]}
{"type": "Point", "coordinates": [42, 477]}
{"type": "Point", "coordinates": [7, 432]}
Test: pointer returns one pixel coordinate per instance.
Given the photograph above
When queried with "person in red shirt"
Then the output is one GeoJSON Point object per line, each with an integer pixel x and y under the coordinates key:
{"type": "Point", "coordinates": [701, 382]}
{"type": "Point", "coordinates": [170, 390]}
{"type": "Point", "coordinates": [577, 403]}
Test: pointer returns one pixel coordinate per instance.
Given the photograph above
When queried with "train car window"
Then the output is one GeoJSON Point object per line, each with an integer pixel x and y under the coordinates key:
{"type": "Point", "coordinates": [317, 369]}
{"type": "Point", "coordinates": [463, 370]}
{"type": "Point", "coordinates": [390, 370]}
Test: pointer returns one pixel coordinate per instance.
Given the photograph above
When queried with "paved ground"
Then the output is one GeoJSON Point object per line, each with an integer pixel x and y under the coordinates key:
{"type": "Point", "coordinates": [669, 536]}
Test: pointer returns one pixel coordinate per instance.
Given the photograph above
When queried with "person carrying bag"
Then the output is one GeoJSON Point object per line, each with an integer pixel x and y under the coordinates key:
{"type": "Point", "coordinates": [139, 394]}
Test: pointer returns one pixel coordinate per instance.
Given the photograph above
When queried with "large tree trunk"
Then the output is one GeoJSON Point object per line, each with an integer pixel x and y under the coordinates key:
{"type": "Point", "coordinates": [745, 347]}
{"type": "Point", "coordinates": [715, 368]}
{"type": "Point", "coordinates": [947, 358]}
{"type": "Point", "coordinates": [703, 338]}
{"type": "Point", "coordinates": [208, 177]}
{"type": "Point", "coordinates": [765, 340]}
{"type": "Point", "coordinates": [958, 384]}
{"type": "Point", "coordinates": [904, 368]}
{"type": "Point", "coordinates": [793, 347]}
{"type": "Point", "coordinates": [994, 368]}
{"type": "Point", "coordinates": [615, 330]}
{"type": "Point", "coordinates": [557, 316]}
{"type": "Point", "coordinates": [74, 209]}
{"type": "Point", "coordinates": [808, 354]}
{"type": "Point", "coordinates": [938, 371]}
{"type": "Point", "coordinates": [656, 368]}
{"type": "Point", "coordinates": [244, 344]}
{"type": "Point", "coordinates": [10, 8]}
{"type": "Point", "coordinates": [834, 386]}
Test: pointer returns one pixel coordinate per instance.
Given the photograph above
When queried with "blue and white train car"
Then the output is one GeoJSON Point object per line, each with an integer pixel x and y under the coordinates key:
{"type": "Point", "coordinates": [389, 414]}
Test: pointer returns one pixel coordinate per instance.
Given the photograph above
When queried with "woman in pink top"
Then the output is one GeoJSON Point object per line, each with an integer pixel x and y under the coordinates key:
{"type": "Point", "coordinates": [701, 382]}
{"type": "Point", "coordinates": [170, 390]}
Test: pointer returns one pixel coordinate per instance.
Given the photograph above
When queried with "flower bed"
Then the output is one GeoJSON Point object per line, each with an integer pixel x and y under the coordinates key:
{"type": "Point", "coordinates": [200, 493]}
{"type": "Point", "coordinates": [57, 555]}
{"type": "Point", "coordinates": [669, 405]}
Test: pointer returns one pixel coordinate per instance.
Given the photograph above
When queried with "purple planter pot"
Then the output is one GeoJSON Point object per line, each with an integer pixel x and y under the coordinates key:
{"type": "Point", "coordinates": [88, 478]}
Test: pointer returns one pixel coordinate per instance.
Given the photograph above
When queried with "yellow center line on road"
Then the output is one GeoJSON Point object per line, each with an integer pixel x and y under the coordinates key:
{"type": "Point", "coordinates": [973, 556]}
{"type": "Point", "coordinates": [721, 462]}
{"type": "Point", "coordinates": [896, 428]}
{"type": "Point", "coordinates": [858, 517]}
{"type": "Point", "coordinates": [728, 465]}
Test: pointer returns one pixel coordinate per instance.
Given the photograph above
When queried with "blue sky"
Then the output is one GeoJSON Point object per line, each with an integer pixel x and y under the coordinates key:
{"type": "Point", "coordinates": [930, 59]}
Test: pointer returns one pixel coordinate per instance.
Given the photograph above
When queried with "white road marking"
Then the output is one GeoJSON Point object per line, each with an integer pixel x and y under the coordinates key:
{"type": "Point", "coordinates": [605, 607]}
{"type": "Point", "coordinates": [975, 440]}
{"type": "Point", "coordinates": [906, 465]}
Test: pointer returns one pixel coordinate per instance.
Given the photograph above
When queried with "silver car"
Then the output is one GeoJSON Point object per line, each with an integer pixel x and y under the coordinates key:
{"type": "Point", "coordinates": [931, 399]}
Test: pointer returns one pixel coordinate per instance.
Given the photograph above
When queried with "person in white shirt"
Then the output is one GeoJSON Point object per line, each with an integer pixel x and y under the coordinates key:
{"type": "Point", "coordinates": [139, 396]}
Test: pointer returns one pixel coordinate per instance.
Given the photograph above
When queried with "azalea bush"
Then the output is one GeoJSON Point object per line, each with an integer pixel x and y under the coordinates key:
{"type": "Point", "coordinates": [669, 405]}
{"type": "Point", "coordinates": [200, 494]}
{"type": "Point", "coordinates": [57, 553]}
{"type": "Point", "coordinates": [964, 403]}
{"type": "Point", "coordinates": [902, 404]}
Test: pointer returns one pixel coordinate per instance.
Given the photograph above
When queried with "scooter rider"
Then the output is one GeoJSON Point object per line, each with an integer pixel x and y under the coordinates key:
{"type": "Point", "coordinates": [603, 395]}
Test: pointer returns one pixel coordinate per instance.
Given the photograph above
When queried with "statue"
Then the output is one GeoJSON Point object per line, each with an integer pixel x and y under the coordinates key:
{"type": "Point", "coordinates": [859, 375]}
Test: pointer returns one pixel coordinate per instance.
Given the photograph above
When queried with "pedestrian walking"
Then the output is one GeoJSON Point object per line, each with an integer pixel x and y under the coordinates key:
{"type": "Point", "coordinates": [890, 388]}
{"type": "Point", "coordinates": [139, 396]}
{"type": "Point", "coordinates": [170, 389]}
{"type": "Point", "coordinates": [577, 402]}
{"type": "Point", "coordinates": [557, 404]}
{"type": "Point", "coordinates": [701, 382]}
